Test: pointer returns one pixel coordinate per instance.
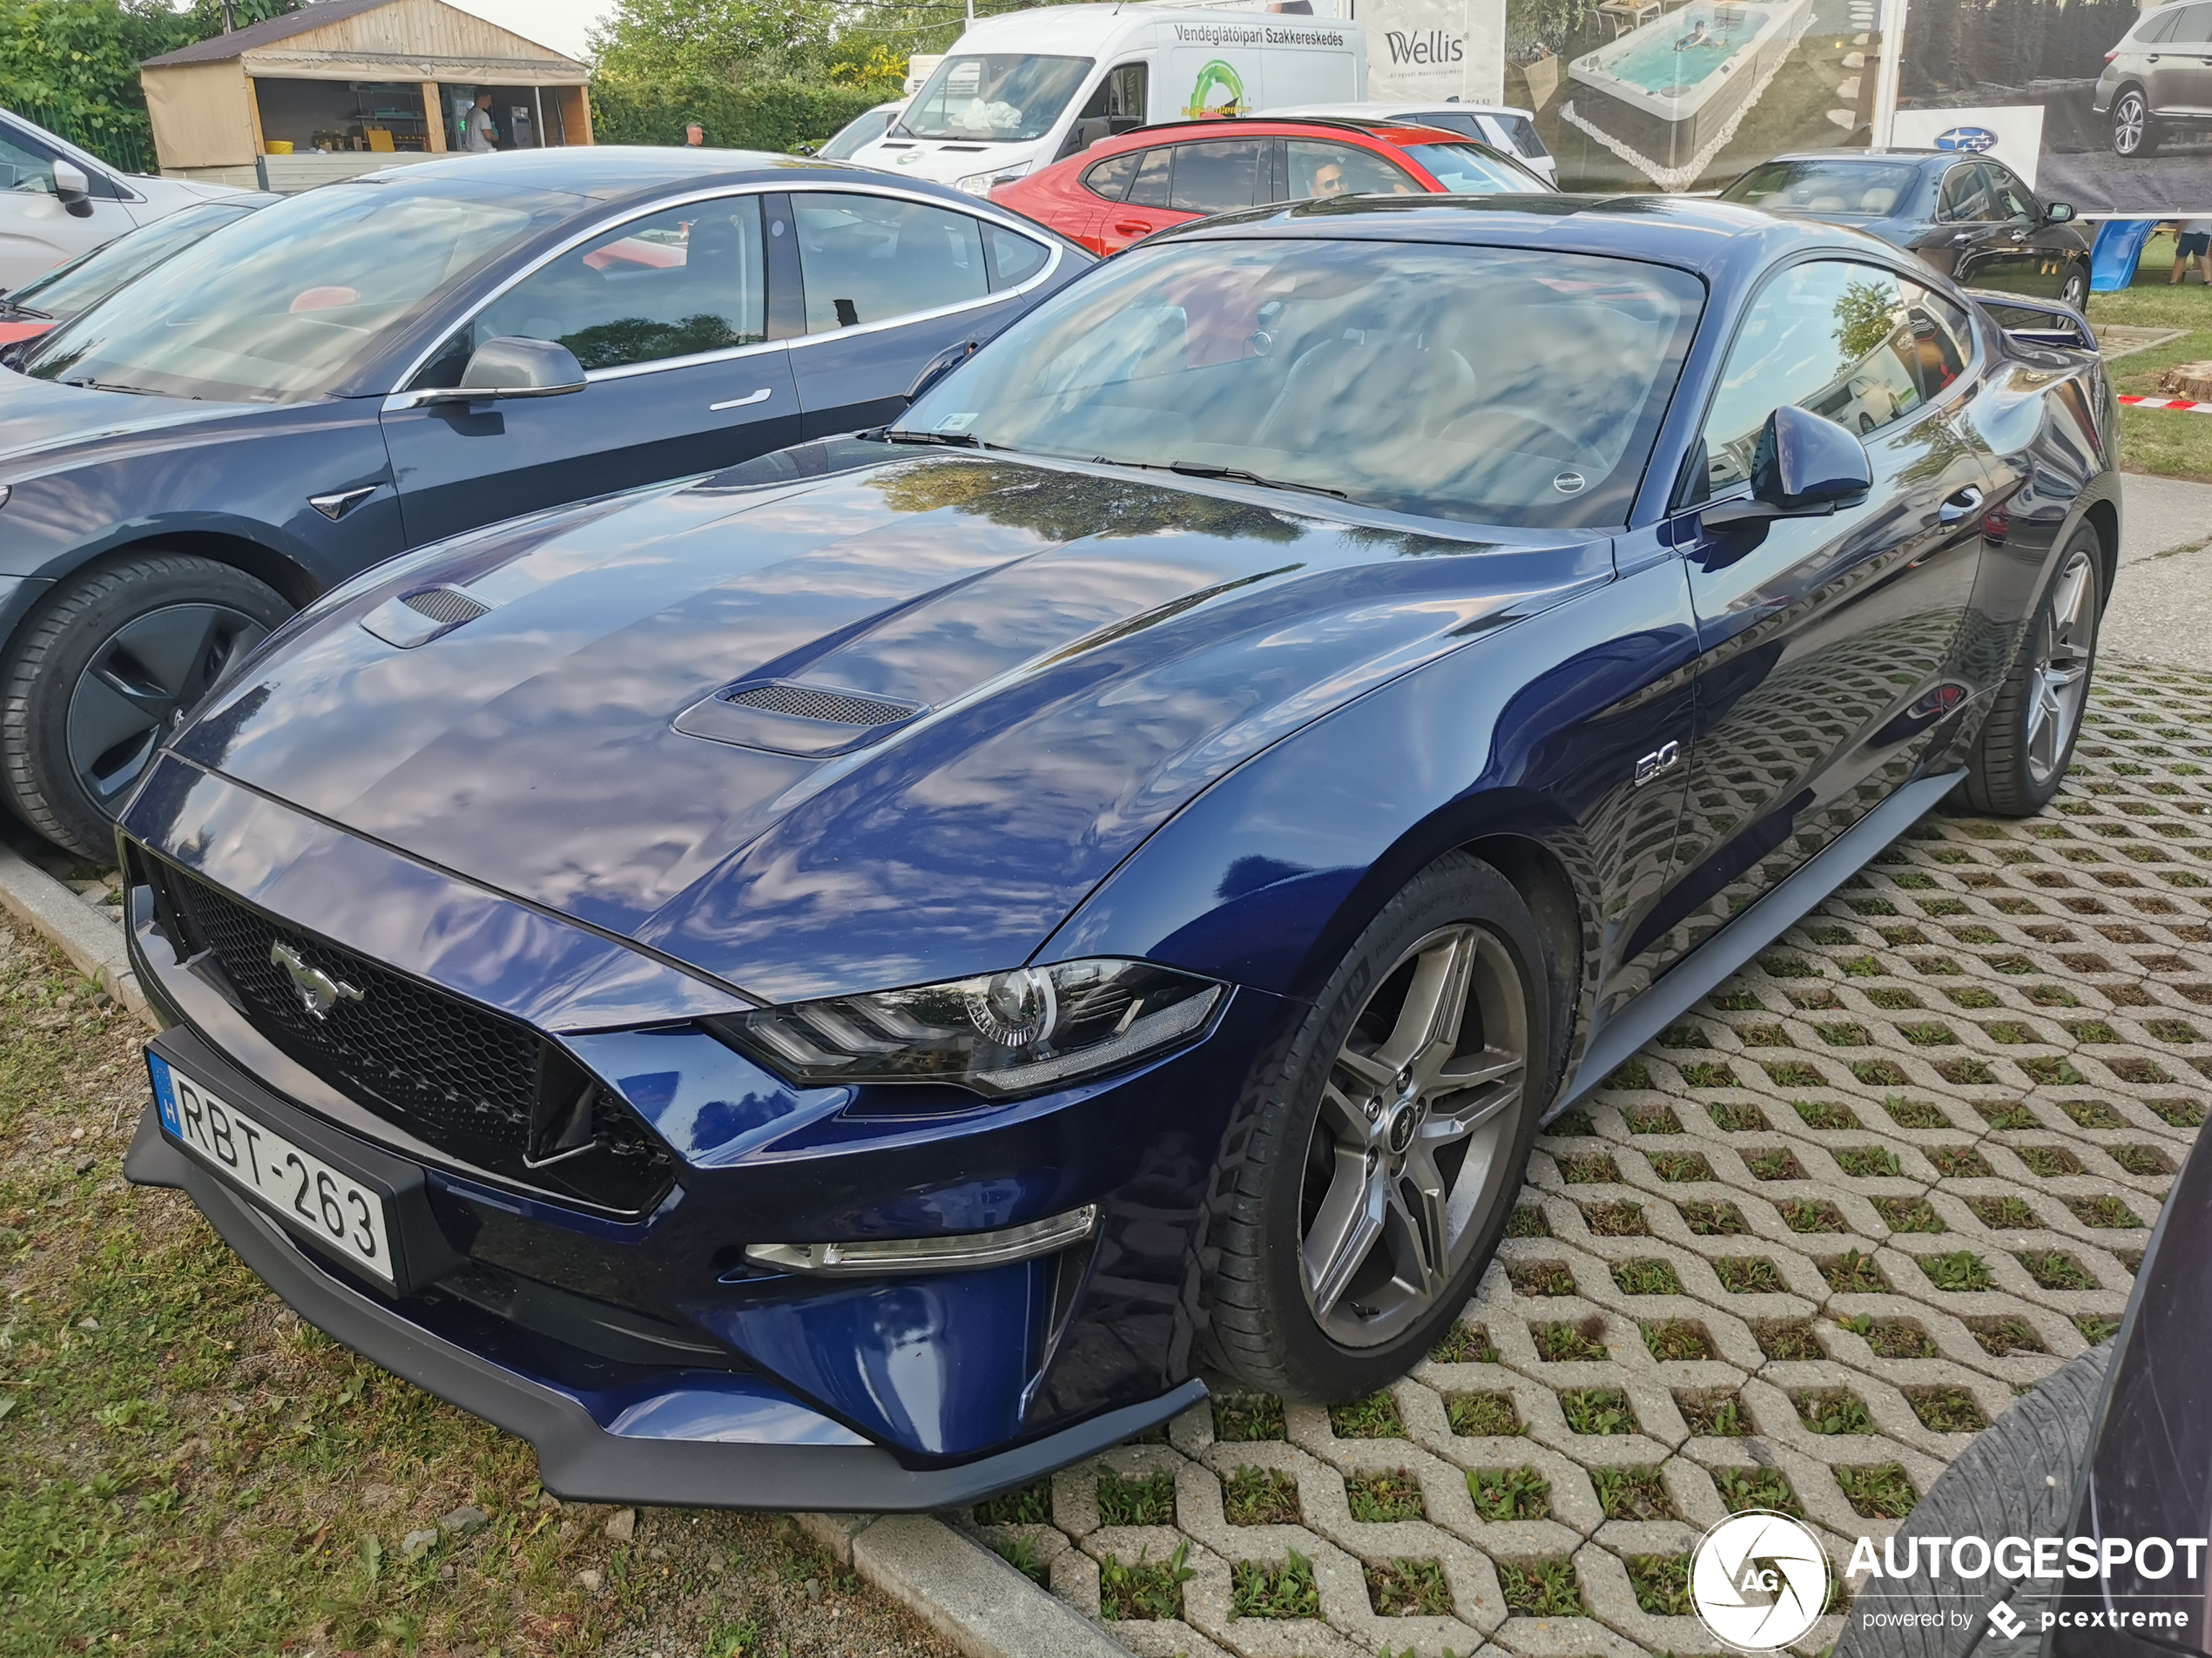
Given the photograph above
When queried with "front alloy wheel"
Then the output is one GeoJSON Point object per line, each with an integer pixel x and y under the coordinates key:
{"type": "Point", "coordinates": [2076, 292]}
{"type": "Point", "coordinates": [1369, 1175]}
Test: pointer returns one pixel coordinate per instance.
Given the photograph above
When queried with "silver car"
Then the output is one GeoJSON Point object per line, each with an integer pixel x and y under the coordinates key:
{"type": "Point", "coordinates": [2159, 76]}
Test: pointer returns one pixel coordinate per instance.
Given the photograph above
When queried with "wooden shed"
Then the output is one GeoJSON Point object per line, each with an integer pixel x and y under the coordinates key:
{"type": "Point", "coordinates": [342, 86]}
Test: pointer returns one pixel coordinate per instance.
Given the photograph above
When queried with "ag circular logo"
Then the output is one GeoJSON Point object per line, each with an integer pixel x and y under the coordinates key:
{"type": "Point", "coordinates": [1759, 1580]}
{"type": "Point", "coordinates": [1976, 138]}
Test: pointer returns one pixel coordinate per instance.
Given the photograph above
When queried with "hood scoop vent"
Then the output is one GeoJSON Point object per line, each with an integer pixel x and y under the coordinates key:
{"type": "Point", "coordinates": [784, 717]}
{"type": "Point", "coordinates": [420, 616]}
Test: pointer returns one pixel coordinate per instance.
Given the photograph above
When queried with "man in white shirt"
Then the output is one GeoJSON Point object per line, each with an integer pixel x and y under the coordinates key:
{"type": "Point", "coordinates": [2195, 243]}
{"type": "Point", "coordinates": [478, 138]}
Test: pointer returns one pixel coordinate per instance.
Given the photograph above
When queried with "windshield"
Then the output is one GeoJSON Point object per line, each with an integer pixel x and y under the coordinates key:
{"type": "Point", "coordinates": [864, 128]}
{"type": "Point", "coordinates": [282, 304]}
{"type": "Point", "coordinates": [1470, 169]}
{"type": "Point", "coordinates": [84, 281]}
{"type": "Point", "coordinates": [1486, 385]}
{"type": "Point", "coordinates": [1000, 98]}
{"type": "Point", "coordinates": [1867, 189]}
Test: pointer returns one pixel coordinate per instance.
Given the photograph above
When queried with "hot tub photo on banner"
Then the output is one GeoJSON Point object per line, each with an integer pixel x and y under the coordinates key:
{"type": "Point", "coordinates": [2097, 103]}
{"type": "Point", "coordinates": [1686, 94]}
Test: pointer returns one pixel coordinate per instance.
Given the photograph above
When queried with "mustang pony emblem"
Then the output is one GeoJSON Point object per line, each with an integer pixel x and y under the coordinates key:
{"type": "Point", "coordinates": [319, 992]}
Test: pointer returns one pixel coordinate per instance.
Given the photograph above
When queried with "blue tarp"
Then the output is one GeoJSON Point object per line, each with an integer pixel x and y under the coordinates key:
{"type": "Point", "coordinates": [2119, 247]}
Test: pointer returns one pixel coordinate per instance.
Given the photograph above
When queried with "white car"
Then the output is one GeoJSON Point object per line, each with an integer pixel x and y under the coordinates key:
{"type": "Point", "coordinates": [864, 128]}
{"type": "Point", "coordinates": [1500, 125]}
{"type": "Point", "coordinates": [57, 201]}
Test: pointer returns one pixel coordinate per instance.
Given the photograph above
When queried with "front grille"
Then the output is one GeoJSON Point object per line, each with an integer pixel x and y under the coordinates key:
{"type": "Point", "coordinates": [455, 1076]}
{"type": "Point", "coordinates": [831, 707]}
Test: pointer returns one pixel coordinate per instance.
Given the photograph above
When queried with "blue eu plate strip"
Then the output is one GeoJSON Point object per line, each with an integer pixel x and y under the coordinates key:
{"type": "Point", "coordinates": [164, 1093]}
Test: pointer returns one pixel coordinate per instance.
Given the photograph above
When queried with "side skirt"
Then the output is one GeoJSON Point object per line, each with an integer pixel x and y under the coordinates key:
{"type": "Point", "coordinates": [1749, 933]}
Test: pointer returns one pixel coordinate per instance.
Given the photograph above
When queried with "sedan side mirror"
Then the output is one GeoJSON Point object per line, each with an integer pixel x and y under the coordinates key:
{"type": "Point", "coordinates": [2059, 213]}
{"type": "Point", "coordinates": [72, 189]}
{"type": "Point", "coordinates": [1805, 467]}
{"type": "Point", "coordinates": [514, 367]}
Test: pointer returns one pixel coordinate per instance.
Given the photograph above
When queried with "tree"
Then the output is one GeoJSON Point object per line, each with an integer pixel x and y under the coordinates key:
{"type": "Point", "coordinates": [677, 41]}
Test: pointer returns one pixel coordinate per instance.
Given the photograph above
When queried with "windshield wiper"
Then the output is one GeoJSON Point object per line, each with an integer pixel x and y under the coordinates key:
{"type": "Point", "coordinates": [950, 439]}
{"type": "Point", "coordinates": [90, 385]}
{"type": "Point", "coordinates": [1232, 475]}
{"type": "Point", "coordinates": [18, 308]}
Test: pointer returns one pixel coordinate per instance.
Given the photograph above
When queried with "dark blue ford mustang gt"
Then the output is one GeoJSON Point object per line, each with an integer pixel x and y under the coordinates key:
{"type": "Point", "coordinates": [388, 361]}
{"type": "Point", "coordinates": [854, 982]}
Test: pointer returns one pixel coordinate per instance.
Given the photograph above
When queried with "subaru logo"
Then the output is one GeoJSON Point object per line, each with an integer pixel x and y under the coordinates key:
{"type": "Point", "coordinates": [1975, 138]}
{"type": "Point", "coordinates": [319, 992]}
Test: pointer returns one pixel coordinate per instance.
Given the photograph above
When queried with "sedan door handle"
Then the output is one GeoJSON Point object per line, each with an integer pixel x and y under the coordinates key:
{"type": "Point", "coordinates": [1134, 227]}
{"type": "Point", "coordinates": [1958, 506]}
{"type": "Point", "coordinates": [760, 396]}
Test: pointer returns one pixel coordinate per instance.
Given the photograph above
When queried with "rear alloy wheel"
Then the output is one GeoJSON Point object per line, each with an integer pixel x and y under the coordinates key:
{"type": "Point", "coordinates": [2027, 744]}
{"type": "Point", "coordinates": [2135, 131]}
{"type": "Point", "coordinates": [1378, 1175]}
{"type": "Point", "coordinates": [98, 677]}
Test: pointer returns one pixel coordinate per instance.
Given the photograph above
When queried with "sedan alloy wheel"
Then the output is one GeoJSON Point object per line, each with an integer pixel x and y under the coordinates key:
{"type": "Point", "coordinates": [2059, 679]}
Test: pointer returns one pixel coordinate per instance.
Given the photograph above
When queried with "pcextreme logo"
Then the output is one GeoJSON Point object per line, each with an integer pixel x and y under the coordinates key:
{"type": "Point", "coordinates": [1219, 90]}
{"type": "Point", "coordinates": [1758, 1580]}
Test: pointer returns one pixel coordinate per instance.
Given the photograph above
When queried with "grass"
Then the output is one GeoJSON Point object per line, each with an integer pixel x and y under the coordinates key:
{"type": "Point", "coordinates": [1910, 1214]}
{"type": "Point", "coordinates": [1915, 1113]}
{"type": "Point", "coordinates": [2140, 1160]}
{"type": "Point", "coordinates": [1825, 1114]}
{"type": "Point", "coordinates": [1713, 1412]}
{"type": "Point", "coordinates": [1742, 1488]}
{"type": "Point", "coordinates": [1866, 1161]}
{"type": "Point", "coordinates": [1557, 1344]}
{"type": "Point", "coordinates": [1260, 1497]}
{"type": "Point", "coordinates": [1945, 1409]}
{"type": "Point", "coordinates": [1541, 1588]}
{"type": "Point", "coordinates": [1372, 1417]}
{"type": "Point", "coordinates": [1285, 1591]}
{"type": "Point", "coordinates": [2006, 1214]}
{"type": "Point", "coordinates": [1708, 1218]}
{"type": "Point", "coordinates": [1633, 1494]}
{"type": "Point", "coordinates": [1662, 1583]}
{"type": "Point", "coordinates": [1738, 1118]}
{"type": "Point", "coordinates": [1527, 1221]}
{"type": "Point", "coordinates": [1597, 1410]}
{"type": "Point", "coordinates": [1409, 1589]}
{"type": "Point", "coordinates": [1465, 1344]}
{"type": "Point", "coordinates": [2159, 440]}
{"type": "Point", "coordinates": [1881, 1492]}
{"type": "Point", "coordinates": [1541, 1277]}
{"type": "Point", "coordinates": [1241, 1418]}
{"type": "Point", "coordinates": [1891, 1337]}
{"type": "Point", "coordinates": [1615, 1220]}
{"type": "Point", "coordinates": [1786, 1337]}
{"type": "Point", "coordinates": [1960, 1163]}
{"type": "Point", "coordinates": [2008, 1116]}
{"type": "Point", "coordinates": [1959, 1271]}
{"type": "Point", "coordinates": [2103, 1213]}
{"type": "Point", "coordinates": [2048, 1162]}
{"type": "Point", "coordinates": [1509, 1494]}
{"type": "Point", "coordinates": [1143, 1589]}
{"type": "Point", "coordinates": [1652, 1119]}
{"type": "Point", "coordinates": [1853, 1273]}
{"type": "Point", "coordinates": [2055, 1269]}
{"type": "Point", "coordinates": [1148, 1499]}
{"type": "Point", "coordinates": [1775, 1163]}
{"type": "Point", "coordinates": [1029, 1506]}
{"type": "Point", "coordinates": [196, 1471]}
{"type": "Point", "coordinates": [1831, 1410]}
{"type": "Point", "coordinates": [1482, 1414]}
{"type": "Point", "coordinates": [1017, 1551]}
{"type": "Point", "coordinates": [1677, 1339]}
{"type": "Point", "coordinates": [2095, 1327]}
{"type": "Point", "coordinates": [2001, 1338]}
{"type": "Point", "coordinates": [1681, 1165]}
{"type": "Point", "coordinates": [1748, 1275]}
{"type": "Point", "coordinates": [1646, 1277]}
{"type": "Point", "coordinates": [1809, 1215]}
{"type": "Point", "coordinates": [1392, 1494]}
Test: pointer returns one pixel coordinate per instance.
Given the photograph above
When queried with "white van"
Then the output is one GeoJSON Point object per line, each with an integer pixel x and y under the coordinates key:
{"type": "Point", "coordinates": [1023, 90]}
{"type": "Point", "coordinates": [57, 201]}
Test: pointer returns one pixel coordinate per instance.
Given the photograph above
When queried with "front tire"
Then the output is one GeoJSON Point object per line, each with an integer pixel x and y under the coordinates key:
{"type": "Point", "coordinates": [2135, 129]}
{"type": "Point", "coordinates": [93, 679]}
{"type": "Point", "coordinates": [2028, 743]}
{"type": "Point", "coordinates": [1380, 1166]}
{"type": "Point", "coordinates": [2076, 291]}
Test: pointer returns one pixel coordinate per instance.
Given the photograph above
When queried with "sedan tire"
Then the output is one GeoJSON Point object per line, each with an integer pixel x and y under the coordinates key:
{"type": "Point", "coordinates": [1379, 1166]}
{"type": "Point", "coordinates": [96, 677]}
{"type": "Point", "coordinates": [2028, 743]}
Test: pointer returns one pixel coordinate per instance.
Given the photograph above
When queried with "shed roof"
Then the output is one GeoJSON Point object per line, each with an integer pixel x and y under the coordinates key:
{"type": "Point", "coordinates": [320, 15]}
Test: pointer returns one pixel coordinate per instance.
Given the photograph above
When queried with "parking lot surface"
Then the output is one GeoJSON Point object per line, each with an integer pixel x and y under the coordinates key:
{"type": "Point", "coordinates": [1792, 1256]}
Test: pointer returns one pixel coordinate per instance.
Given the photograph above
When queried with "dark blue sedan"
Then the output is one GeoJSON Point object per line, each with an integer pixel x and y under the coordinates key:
{"type": "Point", "coordinates": [386, 362]}
{"type": "Point", "coordinates": [846, 984]}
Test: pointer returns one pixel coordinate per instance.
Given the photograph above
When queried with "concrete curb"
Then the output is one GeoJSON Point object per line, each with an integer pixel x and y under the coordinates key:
{"type": "Point", "coordinates": [960, 1589]}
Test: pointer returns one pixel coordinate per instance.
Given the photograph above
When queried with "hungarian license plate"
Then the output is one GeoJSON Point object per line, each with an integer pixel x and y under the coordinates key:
{"type": "Point", "coordinates": [335, 1209]}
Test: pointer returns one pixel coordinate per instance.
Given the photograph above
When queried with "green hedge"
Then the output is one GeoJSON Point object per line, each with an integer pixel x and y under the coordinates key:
{"type": "Point", "coordinates": [772, 115]}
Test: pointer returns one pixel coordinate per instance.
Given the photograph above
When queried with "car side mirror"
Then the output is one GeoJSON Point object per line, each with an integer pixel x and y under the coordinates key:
{"type": "Point", "coordinates": [2059, 213]}
{"type": "Point", "coordinates": [1805, 467]}
{"type": "Point", "coordinates": [72, 189]}
{"type": "Point", "coordinates": [514, 367]}
{"type": "Point", "coordinates": [1087, 131]}
{"type": "Point", "coordinates": [940, 365]}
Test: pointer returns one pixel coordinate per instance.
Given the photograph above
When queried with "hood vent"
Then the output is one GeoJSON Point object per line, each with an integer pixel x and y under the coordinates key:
{"type": "Point", "coordinates": [418, 617]}
{"type": "Point", "coordinates": [787, 719]}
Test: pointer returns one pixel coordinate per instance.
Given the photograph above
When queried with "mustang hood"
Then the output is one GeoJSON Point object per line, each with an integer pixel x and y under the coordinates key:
{"type": "Point", "coordinates": [851, 717]}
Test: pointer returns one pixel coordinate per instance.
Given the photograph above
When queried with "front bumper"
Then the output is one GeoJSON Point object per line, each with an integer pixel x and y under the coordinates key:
{"type": "Point", "coordinates": [784, 1466]}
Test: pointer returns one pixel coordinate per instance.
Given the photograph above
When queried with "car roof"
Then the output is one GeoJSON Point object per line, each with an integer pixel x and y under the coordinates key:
{"type": "Point", "coordinates": [1397, 133]}
{"type": "Point", "coordinates": [1695, 234]}
{"type": "Point", "coordinates": [607, 172]}
{"type": "Point", "coordinates": [1855, 157]}
{"type": "Point", "coordinates": [1384, 109]}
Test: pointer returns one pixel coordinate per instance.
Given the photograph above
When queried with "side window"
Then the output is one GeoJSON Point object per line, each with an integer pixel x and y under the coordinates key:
{"type": "Point", "coordinates": [1112, 178]}
{"type": "Point", "coordinates": [2010, 197]}
{"type": "Point", "coordinates": [1520, 131]}
{"type": "Point", "coordinates": [1943, 339]}
{"type": "Point", "coordinates": [1217, 176]}
{"type": "Point", "coordinates": [866, 258]}
{"type": "Point", "coordinates": [1831, 336]}
{"type": "Point", "coordinates": [674, 284]}
{"type": "Point", "coordinates": [2193, 27]}
{"type": "Point", "coordinates": [1015, 258]}
{"type": "Point", "coordinates": [1966, 194]}
{"type": "Point", "coordinates": [1149, 189]}
{"type": "Point", "coordinates": [1321, 170]}
{"type": "Point", "coordinates": [25, 163]}
{"type": "Point", "coordinates": [1119, 99]}
{"type": "Point", "coordinates": [2158, 28]}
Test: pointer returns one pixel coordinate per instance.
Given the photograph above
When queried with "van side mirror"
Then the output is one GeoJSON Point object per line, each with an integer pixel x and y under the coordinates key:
{"type": "Point", "coordinates": [1087, 131]}
{"type": "Point", "coordinates": [1805, 467]}
{"type": "Point", "coordinates": [72, 189]}
{"type": "Point", "coordinates": [2059, 213]}
{"type": "Point", "coordinates": [514, 367]}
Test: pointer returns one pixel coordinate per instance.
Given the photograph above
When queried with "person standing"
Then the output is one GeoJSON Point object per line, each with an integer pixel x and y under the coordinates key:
{"type": "Point", "coordinates": [478, 139]}
{"type": "Point", "coordinates": [2195, 243]}
{"type": "Point", "coordinates": [694, 136]}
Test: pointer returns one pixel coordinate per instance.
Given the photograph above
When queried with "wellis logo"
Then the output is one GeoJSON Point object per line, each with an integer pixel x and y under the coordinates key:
{"type": "Point", "coordinates": [1758, 1580]}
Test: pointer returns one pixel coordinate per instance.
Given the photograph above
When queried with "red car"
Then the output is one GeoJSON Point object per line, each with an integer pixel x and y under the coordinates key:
{"type": "Point", "coordinates": [1123, 188]}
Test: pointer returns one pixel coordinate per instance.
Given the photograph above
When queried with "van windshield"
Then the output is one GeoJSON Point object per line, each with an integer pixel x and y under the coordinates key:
{"type": "Point", "coordinates": [996, 97]}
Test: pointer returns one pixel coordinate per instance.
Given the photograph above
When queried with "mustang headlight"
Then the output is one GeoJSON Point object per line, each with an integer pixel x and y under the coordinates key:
{"type": "Point", "coordinates": [1005, 1033]}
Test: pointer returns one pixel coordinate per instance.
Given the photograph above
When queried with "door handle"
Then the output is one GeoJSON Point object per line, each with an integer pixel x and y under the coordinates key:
{"type": "Point", "coordinates": [1133, 227]}
{"type": "Point", "coordinates": [2019, 235]}
{"type": "Point", "coordinates": [1962, 239]}
{"type": "Point", "coordinates": [1958, 506]}
{"type": "Point", "coordinates": [760, 396]}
